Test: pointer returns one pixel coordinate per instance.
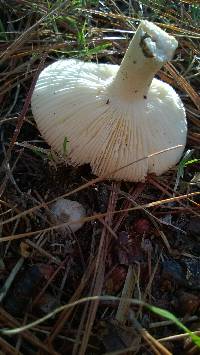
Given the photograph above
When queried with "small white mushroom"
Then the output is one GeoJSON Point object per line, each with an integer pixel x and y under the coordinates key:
{"type": "Point", "coordinates": [67, 211]}
{"type": "Point", "coordinates": [113, 115]}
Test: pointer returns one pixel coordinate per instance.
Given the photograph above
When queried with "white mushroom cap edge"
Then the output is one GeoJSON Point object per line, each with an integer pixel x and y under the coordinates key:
{"type": "Point", "coordinates": [114, 115]}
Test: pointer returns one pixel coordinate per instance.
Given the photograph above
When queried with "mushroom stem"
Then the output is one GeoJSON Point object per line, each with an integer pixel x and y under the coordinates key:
{"type": "Point", "coordinates": [149, 49]}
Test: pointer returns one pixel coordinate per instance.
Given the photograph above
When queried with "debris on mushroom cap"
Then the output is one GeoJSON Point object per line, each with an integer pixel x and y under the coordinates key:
{"type": "Point", "coordinates": [67, 211]}
{"type": "Point", "coordinates": [114, 115]}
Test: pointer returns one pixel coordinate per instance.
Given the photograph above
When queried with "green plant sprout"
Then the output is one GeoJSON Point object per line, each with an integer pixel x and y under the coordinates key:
{"type": "Point", "coordinates": [185, 161]}
{"type": "Point", "coordinates": [65, 146]}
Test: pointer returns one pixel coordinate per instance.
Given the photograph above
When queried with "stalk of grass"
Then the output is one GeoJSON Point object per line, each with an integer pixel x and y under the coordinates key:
{"type": "Point", "coordinates": [156, 310]}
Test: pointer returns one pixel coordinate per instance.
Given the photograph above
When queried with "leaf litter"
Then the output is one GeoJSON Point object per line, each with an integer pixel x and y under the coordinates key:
{"type": "Point", "coordinates": [148, 250]}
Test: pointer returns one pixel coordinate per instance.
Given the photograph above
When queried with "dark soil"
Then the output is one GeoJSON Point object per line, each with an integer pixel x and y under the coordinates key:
{"type": "Point", "coordinates": [160, 242]}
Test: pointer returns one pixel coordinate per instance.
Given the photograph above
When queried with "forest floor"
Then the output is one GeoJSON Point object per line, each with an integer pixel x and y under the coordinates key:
{"type": "Point", "coordinates": [139, 240]}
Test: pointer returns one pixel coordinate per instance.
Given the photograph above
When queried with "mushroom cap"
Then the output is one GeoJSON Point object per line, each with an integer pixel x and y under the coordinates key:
{"type": "Point", "coordinates": [72, 100]}
{"type": "Point", "coordinates": [67, 211]}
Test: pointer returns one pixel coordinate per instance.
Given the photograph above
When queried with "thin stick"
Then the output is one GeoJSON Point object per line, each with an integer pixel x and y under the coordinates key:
{"type": "Point", "coordinates": [155, 345]}
{"type": "Point", "coordinates": [43, 252]}
{"type": "Point", "coordinates": [26, 34]}
{"type": "Point", "coordinates": [84, 186]}
{"type": "Point", "coordinates": [98, 278]}
{"type": "Point", "coordinates": [178, 337]}
{"type": "Point", "coordinates": [35, 301]}
{"type": "Point", "coordinates": [66, 313]}
{"type": "Point", "coordinates": [7, 319]}
{"type": "Point", "coordinates": [127, 292]}
{"type": "Point", "coordinates": [22, 115]}
{"type": "Point", "coordinates": [97, 216]}
{"type": "Point", "coordinates": [168, 322]}
{"type": "Point", "coordinates": [10, 278]}
{"type": "Point", "coordinates": [7, 348]}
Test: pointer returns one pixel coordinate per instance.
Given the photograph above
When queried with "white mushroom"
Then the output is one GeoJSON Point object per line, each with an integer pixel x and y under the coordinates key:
{"type": "Point", "coordinates": [113, 115]}
{"type": "Point", "coordinates": [67, 211]}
